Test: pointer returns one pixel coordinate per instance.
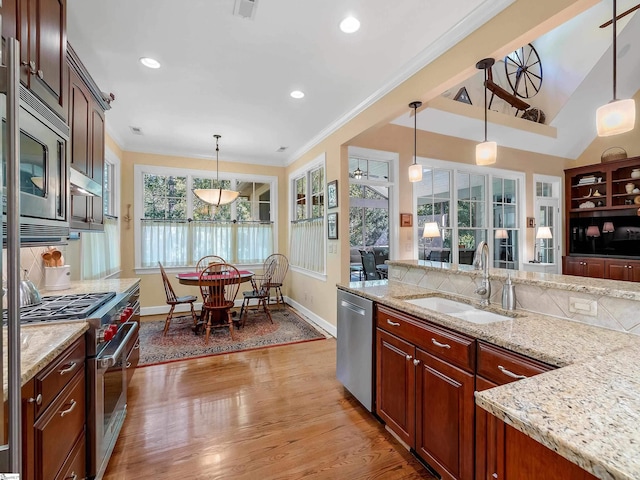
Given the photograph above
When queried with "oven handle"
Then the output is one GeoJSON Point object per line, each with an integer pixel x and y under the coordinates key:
{"type": "Point", "coordinates": [110, 360]}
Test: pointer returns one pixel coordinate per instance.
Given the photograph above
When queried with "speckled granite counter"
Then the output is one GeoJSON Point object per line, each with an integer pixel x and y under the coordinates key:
{"type": "Point", "coordinates": [588, 411]}
{"type": "Point", "coordinates": [95, 286]}
{"type": "Point", "coordinates": [41, 343]}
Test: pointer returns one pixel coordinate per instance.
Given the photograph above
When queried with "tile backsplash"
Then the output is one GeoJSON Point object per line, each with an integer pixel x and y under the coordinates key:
{"type": "Point", "coordinates": [31, 260]}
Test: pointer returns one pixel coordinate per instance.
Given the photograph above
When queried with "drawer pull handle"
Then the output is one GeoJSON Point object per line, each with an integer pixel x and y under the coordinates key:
{"type": "Point", "coordinates": [136, 346]}
{"type": "Point", "coordinates": [409, 357]}
{"type": "Point", "coordinates": [128, 364]}
{"type": "Point", "coordinates": [510, 374]}
{"type": "Point", "coordinates": [438, 344]}
{"type": "Point", "coordinates": [70, 409]}
{"type": "Point", "coordinates": [73, 476]}
{"type": "Point", "coordinates": [495, 475]}
{"type": "Point", "coordinates": [37, 400]}
{"type": "Point", "coordinates": [393, 324]}
{"type": "Point", "coordinates": [70, 368]}
{"type": "Point", "coordinates": [416, 362]}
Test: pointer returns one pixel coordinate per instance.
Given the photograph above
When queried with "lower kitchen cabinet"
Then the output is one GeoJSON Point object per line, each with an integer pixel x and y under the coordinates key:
{"type": "Point", "coordinates": [424, 390]}
{"type": "Point", "coordinates": [583, 266]}
{"type": "Point", "coordinates": [628, 270]}
{"type": "Point", "coordinates": [54, 418]}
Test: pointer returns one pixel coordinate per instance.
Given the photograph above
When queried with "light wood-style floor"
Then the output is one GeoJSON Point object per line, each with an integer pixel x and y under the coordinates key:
{"type": "Point", "coordinates": [275, 413]}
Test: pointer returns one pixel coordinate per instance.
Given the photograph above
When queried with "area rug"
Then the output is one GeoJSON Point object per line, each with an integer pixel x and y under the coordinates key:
{"type": "Point", "coordinates": [182, 343]}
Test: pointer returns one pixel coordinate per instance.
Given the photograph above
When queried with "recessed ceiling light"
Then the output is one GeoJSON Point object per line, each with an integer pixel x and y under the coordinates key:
{"type": "Point", "coordinates": [150, 62]}
{"type": "Point", "coordinates": [350, 25]}
{"type": "Point", "coordinates": [297, 94]}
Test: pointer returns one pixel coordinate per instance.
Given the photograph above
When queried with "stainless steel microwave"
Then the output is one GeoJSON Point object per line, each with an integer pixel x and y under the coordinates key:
{"type": "Point", "coordinates": [44, 191]}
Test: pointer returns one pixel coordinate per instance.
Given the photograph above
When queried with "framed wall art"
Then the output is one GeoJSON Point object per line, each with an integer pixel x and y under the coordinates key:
{"type": "Point", "coordinates": [332, 226]}
{"type": "Point", "coordinates": [332, 194]}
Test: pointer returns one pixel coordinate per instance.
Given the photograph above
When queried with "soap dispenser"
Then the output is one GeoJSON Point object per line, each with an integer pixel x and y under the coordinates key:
{"type": "Point", "coordinates": [509, 295]}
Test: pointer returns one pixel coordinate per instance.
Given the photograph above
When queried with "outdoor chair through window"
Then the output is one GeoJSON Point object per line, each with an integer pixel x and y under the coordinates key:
{"type": "Point", "coordinates": [369, 266]}
{"type": "Point", "coordinates": [172, 300]}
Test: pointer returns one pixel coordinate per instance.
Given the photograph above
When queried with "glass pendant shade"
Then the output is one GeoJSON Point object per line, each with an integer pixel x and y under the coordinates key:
{"type": "Point", "coordinates": [415, 173]}
{"type": "Point", "coordinates": [486, 153]}
{"type": "Point", "coordinates": [616, 117]}
{"type": "Point", "coordinates": [216, 196]}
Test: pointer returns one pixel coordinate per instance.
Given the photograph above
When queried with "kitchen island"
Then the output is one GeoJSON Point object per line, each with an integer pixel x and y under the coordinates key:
{"type": "Point", "coordinates": [587, 410]}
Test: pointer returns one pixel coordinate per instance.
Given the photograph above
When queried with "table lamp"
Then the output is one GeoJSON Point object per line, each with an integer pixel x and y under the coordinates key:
{"type": "Point", "coordinates": [541, 234]}
{"type": "Point", "coordinates": [593, 231]}
{"type": "Point", "coordinates": [432, 231]}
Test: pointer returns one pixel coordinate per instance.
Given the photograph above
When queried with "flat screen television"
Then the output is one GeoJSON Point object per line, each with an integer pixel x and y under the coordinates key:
{"type": "Point", "coordinates": [588, 236]}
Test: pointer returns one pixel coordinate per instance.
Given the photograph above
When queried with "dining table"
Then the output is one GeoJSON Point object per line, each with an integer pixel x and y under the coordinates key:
{"type": "Point", "coordinates": [215, 282]}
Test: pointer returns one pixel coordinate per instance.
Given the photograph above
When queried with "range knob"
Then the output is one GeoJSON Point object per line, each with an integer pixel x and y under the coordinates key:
{"type": "Point", "coordinates": [110, 332]}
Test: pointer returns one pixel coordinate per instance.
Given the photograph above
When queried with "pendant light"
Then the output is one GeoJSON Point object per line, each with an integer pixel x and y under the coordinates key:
{"type": "Point", "coordinates": [415, 170]}
{"type": "Point", "coordinates": [617, 116]}
{"type": "Point", "coordinates": [357, 173]}
{"type": "Point", "coordinates": [486, 152]}
{"type": "Point", "coordinates": [216, 196]}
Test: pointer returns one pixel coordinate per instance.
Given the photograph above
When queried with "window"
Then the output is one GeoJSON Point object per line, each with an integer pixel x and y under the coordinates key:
{"type": "Point", "coordinates": [307, 237]}
{"type": "Point", "coordinates": [177, 228]}
{"type": "Point", "coordinates": [469, 205]}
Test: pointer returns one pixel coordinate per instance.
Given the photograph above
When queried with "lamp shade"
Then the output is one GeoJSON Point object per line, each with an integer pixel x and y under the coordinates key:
{"type": "Point", "coordinates": [593, 231]}
{"type": "Point", "coordinates": [616, 117]}
{"type": "Point", "coordinates": [216, 196]}
{"type": "Point", "coordinates": [608, 227]}
{"type": "Point", "coordinates": [415, 173]}
{"type": "Point", "coordinates": [431, 230]}
{"type": "Point", "coordinates": [501, 233]}
{"type": "Point", "coordinates": [486, 153]}
{"type": "Point", "coordinates": [545, 232]}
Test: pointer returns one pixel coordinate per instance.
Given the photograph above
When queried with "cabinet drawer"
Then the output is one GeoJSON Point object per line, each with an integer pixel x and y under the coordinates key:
{"type": "Point", "coordinates": [450, 346]}
{"type": "Point", "coordinates": [75, 468]}
{"type": "Point", "coordinates": [58, 428]}
{"type": "Point", "coordinates": [502, 366]}
{"type": "Point", "coordinates": [52, 379]}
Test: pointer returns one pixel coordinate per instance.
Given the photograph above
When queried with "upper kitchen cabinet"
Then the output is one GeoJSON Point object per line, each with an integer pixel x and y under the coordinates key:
{"type": "Point", "coordinates": [86, 152]}
{"type": "Point", "coordinates": [40, 27]}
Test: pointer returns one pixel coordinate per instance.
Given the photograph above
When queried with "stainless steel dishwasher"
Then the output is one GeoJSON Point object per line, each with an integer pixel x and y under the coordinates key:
{"type": "Point", "coordinates": [354, 365]}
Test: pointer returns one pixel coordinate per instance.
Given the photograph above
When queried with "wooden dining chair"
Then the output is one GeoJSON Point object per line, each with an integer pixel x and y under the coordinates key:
{"type": "Point", "coordinates": [206, 260]}
{"type": "Point", "coordinates": [279, 273]}
{"type": "Point", "coordinates": [261, 285]}
{"type": "Point", "coordinates": [172, 300]}
{"type": "Point", "coordinates": [219, 284]}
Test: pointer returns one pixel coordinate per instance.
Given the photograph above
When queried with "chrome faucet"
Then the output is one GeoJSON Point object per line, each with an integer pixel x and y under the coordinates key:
{"type": "Point", "coordinates": [481, 262]}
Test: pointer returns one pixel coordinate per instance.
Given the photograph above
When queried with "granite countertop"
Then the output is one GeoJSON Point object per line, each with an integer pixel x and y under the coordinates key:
{"type": "Point", "coordinates": [587, 411]}
{"type": "Point", "coordinates": [95, 286]}
{"type": "Point", "coordinates": [40, 344]}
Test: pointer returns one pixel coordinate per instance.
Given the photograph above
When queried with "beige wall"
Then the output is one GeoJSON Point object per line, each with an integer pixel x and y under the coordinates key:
{"type": "Point", "coordinates": [151, 290]}
{"type": "Point", "coordinates": [630, 141]}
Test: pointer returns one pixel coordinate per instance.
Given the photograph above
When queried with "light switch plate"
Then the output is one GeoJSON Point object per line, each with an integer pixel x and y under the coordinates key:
{"type": "Point", "coordinates": [583, 306]}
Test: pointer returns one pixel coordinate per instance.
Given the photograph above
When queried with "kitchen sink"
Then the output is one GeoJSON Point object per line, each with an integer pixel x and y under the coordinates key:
{"type": "Point", "coordinates": [460, 310]}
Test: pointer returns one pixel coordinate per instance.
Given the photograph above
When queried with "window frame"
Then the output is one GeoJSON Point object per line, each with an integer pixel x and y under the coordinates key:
{"type": "Point", "coordinates": [138, 202]}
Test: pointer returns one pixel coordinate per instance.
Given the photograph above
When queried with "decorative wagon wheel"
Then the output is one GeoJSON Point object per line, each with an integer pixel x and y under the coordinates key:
{"type": "Point", "coordinates": [524, 71]}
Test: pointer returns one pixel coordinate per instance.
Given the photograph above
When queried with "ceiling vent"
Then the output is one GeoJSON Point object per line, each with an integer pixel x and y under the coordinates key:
{"type": "Point", "coordinates": [281, 149]}
{"type": "Point", "coordinates": [136, 130]}
{"type": "Point", "coordinates": [245, 8]}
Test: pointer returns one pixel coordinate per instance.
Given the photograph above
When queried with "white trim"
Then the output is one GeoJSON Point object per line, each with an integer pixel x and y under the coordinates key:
{"type": "Point", "coordinates": [312, 317]}
{"type": "Point", "coordinates": [309, 273]}
{"type": "Point", "coordinates": [138, 198]}
{"type": "Point", "coordinates": [249, 160]}
{"type": "Point", "coordinates": [474, 20]}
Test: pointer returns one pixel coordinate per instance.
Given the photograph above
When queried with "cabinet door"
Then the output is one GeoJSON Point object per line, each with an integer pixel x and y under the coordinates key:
{"type": "Point", "coordinates": [489, 440]}
{"type": "Point", "coordinates": [594, 268]}
{"type": "Point", "coordinates": [633, 272]}
{"type": "Point", "coordinates": [616, 270]}
{"type": "Point", "coordinates": [445, 417]}
{"type": "Point", "coordinates": [572, 266]}
{"type": "Point", "coordinates": [48, 49]}
{"type": "Point", "coordinates": [525, 459]}
{"type": "Point", "coordinates": [97, 164]}
{"type": "Point", "coordinates": [395, 385]}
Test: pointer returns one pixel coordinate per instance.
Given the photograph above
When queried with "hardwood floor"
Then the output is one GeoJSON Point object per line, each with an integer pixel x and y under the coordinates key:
{"type": "Point", "coordinates": [276, 413]}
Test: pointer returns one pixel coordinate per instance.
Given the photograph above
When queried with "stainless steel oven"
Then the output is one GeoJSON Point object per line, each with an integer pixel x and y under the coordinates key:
{"type": "Point", "coordinates": [42, 171]}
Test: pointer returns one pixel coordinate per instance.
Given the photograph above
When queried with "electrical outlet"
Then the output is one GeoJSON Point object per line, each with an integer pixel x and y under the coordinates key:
{"type": "Point", "coordinates": [583, 306]}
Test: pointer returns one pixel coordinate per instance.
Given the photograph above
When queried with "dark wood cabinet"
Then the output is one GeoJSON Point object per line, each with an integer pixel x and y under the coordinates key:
{"type": "Point", "coordinates": [628, 270]}
{"type": "Point", "coordinates": [87, 125]}
{"type": "Point", "coordinates": [497, 366]}
{"type": "Point", "coordinates": [40, 27]}
{"type": "Point", "coordinates": [584, 266]}
{"type": "Point", "coordinates": [424, 390]}
{"type": "Point", "coordinates": [596, 194]}
{"type": "Point", "coordinates": [54, 418]}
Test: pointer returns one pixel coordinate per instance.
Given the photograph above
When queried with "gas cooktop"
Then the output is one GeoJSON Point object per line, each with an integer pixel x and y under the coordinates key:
{"type": "Point", "coordinates": [63, 307]}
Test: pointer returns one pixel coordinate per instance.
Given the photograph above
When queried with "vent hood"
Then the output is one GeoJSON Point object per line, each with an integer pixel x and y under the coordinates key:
{"type": "Point", "coordinates": [83, 185]}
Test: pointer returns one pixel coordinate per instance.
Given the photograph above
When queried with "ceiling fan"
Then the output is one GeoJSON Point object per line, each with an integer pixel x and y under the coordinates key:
{"type": "Point", "coordinates": [623, 14]}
